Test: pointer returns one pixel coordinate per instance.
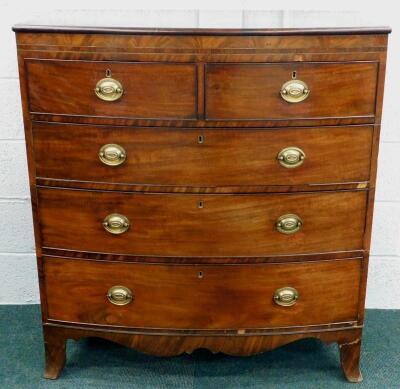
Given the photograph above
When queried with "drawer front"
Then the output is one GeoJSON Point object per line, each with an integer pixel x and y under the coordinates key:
{"type": "Point", "coordinates": [252, 91]}
{"type": "Point", "coordinates": [206, 225]}
{"type": "Point", "coordinates": [150, 90]}
{"type": "Point", "coordinates": [202, 297]}
{"type": "Point", "coordinates": [217, 157]}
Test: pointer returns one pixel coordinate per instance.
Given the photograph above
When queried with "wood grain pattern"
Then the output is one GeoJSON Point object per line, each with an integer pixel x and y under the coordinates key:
{"type": "Point", "coordinates": [174, 157]}
{"type": "Point", "coordinates": [251, 91]}
{"type": "Point", "coordinates": [224, 85]}
{"type": "Point", "coordinates": [119, 121]}
{"type": "Point", "coordinates": [55, 354]}
{"type": "Point", "coordinates": [227, 225]}
{"type": "Point", "coordinates": [315, 256]}
{"type": "Point", "coordinates": [32, 174]}
{"type": "Point", "coordinates": [237, 189]}
{"type": "Point", "coordinates": [202, 297]}
{"type": "Point", "coordinates": [151, 90]}
{"type": "Point", "coordinates": [167, 345]}
{"type": "Point", "coordinates": [294, 45]}
{"type": "Point", "coordinates": [350, 360]}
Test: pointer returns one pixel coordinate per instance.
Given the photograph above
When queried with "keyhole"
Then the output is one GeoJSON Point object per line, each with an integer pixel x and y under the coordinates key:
{"type": "Point", "coordinates": [200, 139]}
{"type": "Point", "coordinates": [200, 204]}
{"type": "Point", "coordinates": [200, 275]}
{"type": "Point", "coordinates": [294, 74]}
{"type": "Point", "coordinates": [108, 73]}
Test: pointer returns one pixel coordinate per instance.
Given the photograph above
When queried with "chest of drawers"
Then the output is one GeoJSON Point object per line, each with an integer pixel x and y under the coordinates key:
{"type": "Point", "coordinates": [202, 188]}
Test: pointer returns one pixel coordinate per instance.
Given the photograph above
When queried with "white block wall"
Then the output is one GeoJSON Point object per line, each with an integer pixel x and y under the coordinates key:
{"type": "Point", "coordinates": [18, 279]}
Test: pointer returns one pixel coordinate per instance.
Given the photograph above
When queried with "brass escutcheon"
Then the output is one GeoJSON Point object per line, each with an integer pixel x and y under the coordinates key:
{"type": "Point", "coordinates": [286, 296]}
{"type": "Point", "coordinates": [109, 89]}
{"type": "Point", "coordinates": [119, 295]}
{"type": "Point", "coordinates": [291, 157]}
{"type": "Point", "coordinates": [289, 224]}
{"type": "Point", "coordinates": [294, 91]}
{"type": "Point", "coordinates": [116, 224]}
{"type": "Point", "coordinates": [112, 154]}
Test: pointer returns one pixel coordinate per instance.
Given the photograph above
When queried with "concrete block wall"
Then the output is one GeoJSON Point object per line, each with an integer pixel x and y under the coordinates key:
{"type": "Point", "coordinates": [18, 279]}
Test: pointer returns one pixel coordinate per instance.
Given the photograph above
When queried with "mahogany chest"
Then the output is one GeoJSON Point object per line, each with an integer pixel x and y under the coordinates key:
{"type": "Point", "coordinates": [202, 188]}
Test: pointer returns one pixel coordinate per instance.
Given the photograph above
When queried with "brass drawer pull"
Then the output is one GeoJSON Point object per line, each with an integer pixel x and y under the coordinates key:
{"type": "Point", "coordinates": [289, 224]}
{"type": "Point", "coordinates": [116, 224]}
{"type": "Point", "coordinates": [286, 296]}
{"type": "Point", "coordinates": [291, 157]}
{"type": "Point", "coordinates": [112, 154]}
{"type": "Point", "coordinates": [119, 295]}
{"type": "Point", "coordinates": [294, 91]}
{"type": "Point", "coordinates": [109, 89]}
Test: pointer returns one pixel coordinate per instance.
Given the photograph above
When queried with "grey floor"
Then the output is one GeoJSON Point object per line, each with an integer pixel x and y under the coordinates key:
{"type": "Point", "coordinates": [94, 363]}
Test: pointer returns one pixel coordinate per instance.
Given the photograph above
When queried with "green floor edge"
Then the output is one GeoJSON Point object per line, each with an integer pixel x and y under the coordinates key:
{"type": "Point", "coordinates": [99, 364]}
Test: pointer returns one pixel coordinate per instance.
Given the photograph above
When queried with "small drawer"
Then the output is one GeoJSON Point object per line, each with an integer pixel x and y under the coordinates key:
{"type": "Point", "coordinates": [201, 225]}
{"type": "Point", "coordinates": [112, 89]}
{"type": "Point", "coordinates": [202, 297]}
{"type": "Point", "coordinates": [291, 90]}
{"type": "Point", "coordinates": [201, 157]}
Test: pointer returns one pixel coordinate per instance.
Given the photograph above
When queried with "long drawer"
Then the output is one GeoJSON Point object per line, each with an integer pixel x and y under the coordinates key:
{"type": "Point", "coordinates": [202, 297]}
{"type": "Point", "coordinates": [253, 91]}
{"type": "Point", "coordinates": [206, 225]}
{"type": "Point", "coordinates": [148, 90]}
{"type": "Point", "coordinates": [202, 158]}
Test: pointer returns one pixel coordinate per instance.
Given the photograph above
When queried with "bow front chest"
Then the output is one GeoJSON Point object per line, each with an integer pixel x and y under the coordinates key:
{"type": "Point", "coordinates": [202, 188]}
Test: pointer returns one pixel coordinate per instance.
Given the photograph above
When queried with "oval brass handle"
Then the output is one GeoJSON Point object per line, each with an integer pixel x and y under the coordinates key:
{"type": "Point", "coordinates": [119, 295]}
{"type": "Point", "coordinates": [116, 224]}
{"type": "Point", "coordinates": [291, 157]}
{"type": "Point", "coordinates": [289, 224]}
{"type": "Point", "coordinates": [286, 296]}
{"type": "Point", "coordinates": [294, 91]}
{"type": "Point", "coordinates": [112, 154]}
{"type": "Point", "coordinates": [109, 89]}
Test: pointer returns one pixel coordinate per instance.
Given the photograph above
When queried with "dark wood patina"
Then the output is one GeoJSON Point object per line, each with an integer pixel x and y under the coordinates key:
{"type": "Point", "coordinates": [201, 120]}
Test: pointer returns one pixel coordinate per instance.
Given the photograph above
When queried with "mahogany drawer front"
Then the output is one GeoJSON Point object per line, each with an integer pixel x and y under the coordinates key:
{"type": "Point", "coordinates": [252, 91]}
{"type": "Point", "coordinates": [206, 225]}
{"type": "Point", "coordinates": [150, 90]}
{"type": "Point", "coordinates": [203, 158]}
{"type": "Point", "coordinates": [202, 297]}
